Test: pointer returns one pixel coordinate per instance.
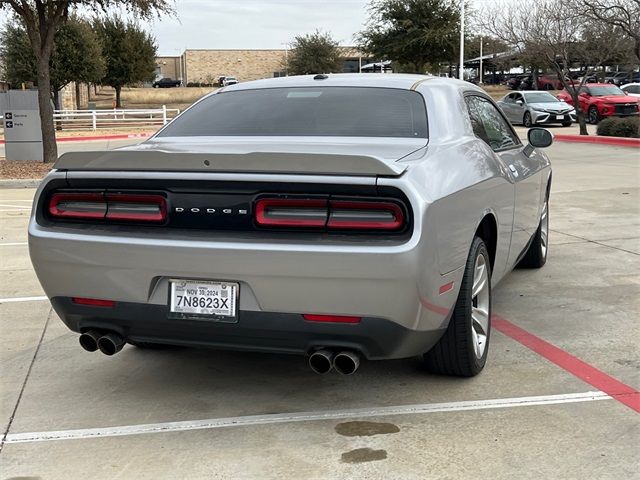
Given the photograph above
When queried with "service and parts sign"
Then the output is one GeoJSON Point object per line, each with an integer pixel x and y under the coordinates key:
{"type": "Point", "coordinates": [22, 126]}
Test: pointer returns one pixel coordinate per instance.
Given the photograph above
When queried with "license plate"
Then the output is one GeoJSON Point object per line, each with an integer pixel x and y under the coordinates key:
{"type": "Point", "coordinates": [559, 117]}
{"type": "Point", "coordinates": [203, 299]}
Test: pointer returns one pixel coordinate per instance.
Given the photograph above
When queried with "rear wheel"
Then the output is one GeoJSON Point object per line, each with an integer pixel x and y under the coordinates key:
{"type": "Point", "coordinates": [463, 349]}
{"type": "Point", "coordinates": [536, 255]}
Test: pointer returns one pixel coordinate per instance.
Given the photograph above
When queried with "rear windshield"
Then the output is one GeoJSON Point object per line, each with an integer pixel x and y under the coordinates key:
{"type": "Point", "coordinates": [320, 111]}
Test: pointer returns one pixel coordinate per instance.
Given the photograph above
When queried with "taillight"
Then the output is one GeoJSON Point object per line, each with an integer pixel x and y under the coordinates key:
{"type": "Point", "coordinates": [365, 215]}
{"type": "Point", "coordinates": [136, 208]}
{"type": "Point", "coordinates": [283, 212]}
{"type": "Point", "coordinates": [118, 207]}
{"type": "Point", "coordinates": [78, 205]}
{"type": "Point", "coordinates": [329, 214]}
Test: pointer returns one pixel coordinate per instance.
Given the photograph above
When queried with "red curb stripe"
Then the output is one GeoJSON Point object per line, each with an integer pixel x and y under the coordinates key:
{"type": "Point", "coordinates": [619, 141]}
{"type": "Point", "coordinates": [121, 136]}
{"type": "Point", "coordinates": [585, 372]}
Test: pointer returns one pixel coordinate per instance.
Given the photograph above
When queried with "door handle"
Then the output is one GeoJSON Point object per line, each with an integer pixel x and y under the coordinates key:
{"type": "Point", "coordinates": [513, 170]}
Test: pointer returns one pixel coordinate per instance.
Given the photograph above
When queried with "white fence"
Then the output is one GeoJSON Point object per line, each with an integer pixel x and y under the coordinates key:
{"type": "Point", "coordinates": [95, 119]}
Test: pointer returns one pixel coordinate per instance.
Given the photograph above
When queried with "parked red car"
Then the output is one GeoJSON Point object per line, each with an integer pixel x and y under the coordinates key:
{"type": "Point", "coordinates": [599, 100]}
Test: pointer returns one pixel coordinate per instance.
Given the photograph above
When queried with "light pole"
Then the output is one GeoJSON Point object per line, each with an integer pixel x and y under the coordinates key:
{"type": "Point", "coordinates": [286, 58]}
{"type": "Point", "coordinates": [480, 59]}
{"type": "Point", "coordinates": [461, 68]}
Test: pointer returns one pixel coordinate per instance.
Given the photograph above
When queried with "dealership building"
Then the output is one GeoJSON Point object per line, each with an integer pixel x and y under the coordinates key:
{"type": "Point", "coordinates": [207, 65]}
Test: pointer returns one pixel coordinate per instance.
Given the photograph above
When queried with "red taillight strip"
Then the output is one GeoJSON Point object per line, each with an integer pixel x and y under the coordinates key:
{"type": "Point", "coordinates": [124, 201]}
{"type": "Point", "coordinates": [264, 220]}
{"type": "Point", "coordinates": [395, 210]}
{"type": "Point", "coordinates": [60, 198]}
{"type": "Point", "coordinates": [122, 207]}
{"type": "Point", "coordinates": [93, 302]}
{"type": "Point", "coordinates": [331, 318]}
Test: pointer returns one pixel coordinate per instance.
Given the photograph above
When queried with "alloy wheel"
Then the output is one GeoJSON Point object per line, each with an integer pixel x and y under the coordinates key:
{"type": "Point", "coordinates": [480, 306]}
{"type": "Point", "coordinates": [544, 228]}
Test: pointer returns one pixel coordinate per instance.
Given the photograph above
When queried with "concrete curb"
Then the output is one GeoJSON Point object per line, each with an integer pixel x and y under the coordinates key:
{"type": "Point", "coordinates": [20, 183]}
{"type": "Point", "coordinates": [121, 136]}
{"type": "Point", "coordinates": [618, 141]}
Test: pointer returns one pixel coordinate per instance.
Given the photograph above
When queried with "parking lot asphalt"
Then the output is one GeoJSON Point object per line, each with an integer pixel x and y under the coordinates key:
{"type": "Point", "coordinates": [186, 413]}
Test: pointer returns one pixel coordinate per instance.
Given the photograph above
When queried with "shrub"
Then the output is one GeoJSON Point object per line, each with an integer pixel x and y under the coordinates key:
{"type": "Point", "coordinates": [619, 127]}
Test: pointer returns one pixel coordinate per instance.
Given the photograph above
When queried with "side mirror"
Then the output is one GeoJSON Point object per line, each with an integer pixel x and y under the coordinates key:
{"type": "Point", "coordinates": [519, 102]}
{"type": "Point", "coordinates": [540, 137]}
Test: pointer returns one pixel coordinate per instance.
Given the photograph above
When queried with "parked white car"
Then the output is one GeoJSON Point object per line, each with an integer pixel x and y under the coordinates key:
{"type": "Point", "coordinates": [632, 89]}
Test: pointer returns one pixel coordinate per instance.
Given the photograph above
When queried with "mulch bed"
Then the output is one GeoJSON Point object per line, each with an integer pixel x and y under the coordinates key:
{"type": "Point", "coordinates": [18, 169]}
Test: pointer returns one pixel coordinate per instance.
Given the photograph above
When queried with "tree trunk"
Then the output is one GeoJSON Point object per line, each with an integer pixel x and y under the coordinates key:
{"type": "Point", "coordinates": [49, 147]}
{"type": "Point", "coordinates": [118, 90]}
{"type": "Point", "coordinates": [88, 92]}
{"type": "Point", "coordinates": [77, 96]}
{"type": "Point", "coordinates": [579, 113]}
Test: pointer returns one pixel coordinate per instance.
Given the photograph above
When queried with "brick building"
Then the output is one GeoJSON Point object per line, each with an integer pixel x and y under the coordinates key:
{"type": "Point", "coordinates": [207, 65]}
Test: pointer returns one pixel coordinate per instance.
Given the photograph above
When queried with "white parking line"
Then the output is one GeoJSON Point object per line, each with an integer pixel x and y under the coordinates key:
{"type": "Point", "coordinates": [15, 206]}
{"type": "Point", "coordinates": [22, 299]}
{"type": "Point", "coordinates": [15, 209]}
{"type": "Point", "coordinates": [13, 244]}
{"type": "Point", "coordinates": [249, 420]}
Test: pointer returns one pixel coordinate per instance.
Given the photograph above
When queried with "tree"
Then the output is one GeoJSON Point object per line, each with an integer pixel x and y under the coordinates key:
{"type": "Point", "coordinates": [76, 57]}
{"type": "Point", "coordinates": [317, 52]}
{"type": "Point", "coordinates": [412, 32]}
{"type": "Point", "coordinates": [623, 15]}
{"type": "Point", "coordinates": [129, 53]}
{"type": "Point", "coordinates": [41, 19]}
{"type": "Point", "coordinates": [546, 32]}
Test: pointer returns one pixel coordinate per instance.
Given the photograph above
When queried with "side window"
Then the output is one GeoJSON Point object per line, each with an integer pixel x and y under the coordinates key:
{"type": "Point", "coordinates": [489, 125]}
{"type": "Point", "coordinates": [517, 96]}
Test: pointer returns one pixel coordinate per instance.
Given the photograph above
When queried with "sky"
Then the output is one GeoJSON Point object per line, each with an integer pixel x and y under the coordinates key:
{"type": "Point", "coordinates": [246, 24]}
{"type": "Point", "coordinates": [253, 24]}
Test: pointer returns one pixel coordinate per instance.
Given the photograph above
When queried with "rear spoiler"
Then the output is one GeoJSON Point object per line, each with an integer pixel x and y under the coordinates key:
{"type": "Point", "coordinates": [253, 162]}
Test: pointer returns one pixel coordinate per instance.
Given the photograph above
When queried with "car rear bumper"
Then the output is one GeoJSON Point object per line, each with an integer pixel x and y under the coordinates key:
{"type": "Point", "coordinates": [395, 285]}
{"type": "Point", "coordinates": [375, 338]}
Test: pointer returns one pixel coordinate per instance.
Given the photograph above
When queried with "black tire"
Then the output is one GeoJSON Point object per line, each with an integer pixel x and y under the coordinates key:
{"type": "Point", "coordinates": [537, 252]}
{"type": "Point", "coordinates": [526, 121]}
{"type": "Point", "coordinates": [454, 354]}
{"type": "Point", "coordinates": [594, 118]}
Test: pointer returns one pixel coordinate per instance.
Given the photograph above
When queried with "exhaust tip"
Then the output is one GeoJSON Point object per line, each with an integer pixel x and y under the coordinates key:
{"type": "Point", "coordinates": [89, 340]}
{"type": "Point", "coordinates": [321, 361]}
{"type": "Point", "coordinates": [110, 344]}
{"type": "Point", "coordinates": [346, 363]}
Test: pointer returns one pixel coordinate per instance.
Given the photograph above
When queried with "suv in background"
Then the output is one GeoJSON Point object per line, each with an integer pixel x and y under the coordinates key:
{"type": "Point", "coordinates": [599, 100]}
{"type": "Point", "coordinates": [166, 82]}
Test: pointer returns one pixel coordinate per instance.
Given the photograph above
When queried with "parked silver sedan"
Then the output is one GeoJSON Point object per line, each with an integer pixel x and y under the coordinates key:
{"type": "Point", "coordinates": [536, 108]}
{"type": "Point", "coordinates": [335, 216]}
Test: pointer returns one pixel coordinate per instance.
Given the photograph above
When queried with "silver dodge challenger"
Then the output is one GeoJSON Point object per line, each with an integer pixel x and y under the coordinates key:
{"type": "Point", "coordinates": [335, 216]}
